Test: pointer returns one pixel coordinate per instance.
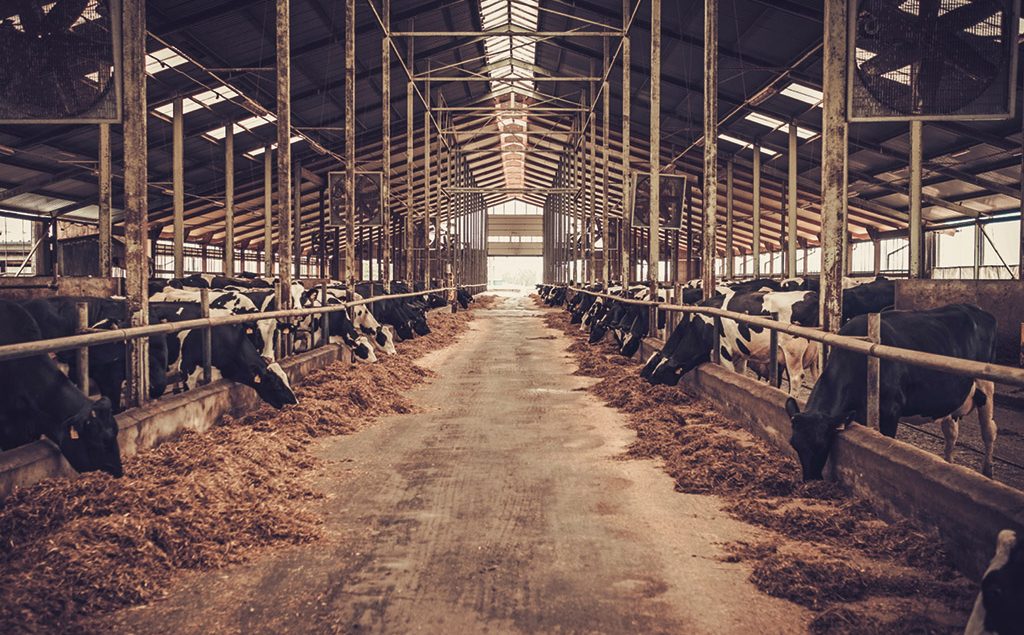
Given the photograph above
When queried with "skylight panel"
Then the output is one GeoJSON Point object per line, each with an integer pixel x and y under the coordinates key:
{"type": "Point", "coordinates": [252, 154]}
{"type": "Point", "coordinates": [745, 144]}
{"type": "Point", "coordinates": [246, 125]}
{"type": "Point", "coordinates": [205, 99]}
{"type": "Point", "coordinates": [778, 124]}
{"type": "Point", "coordinates": [803, 93]}
{"type": "Point", "coordinates": [163, 59]}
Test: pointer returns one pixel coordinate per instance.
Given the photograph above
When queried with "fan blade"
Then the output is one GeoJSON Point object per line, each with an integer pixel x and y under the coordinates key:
{"type": "Point", "coordinates": [63, 14]}
{"type": "Point", "coordinates": [968, 15]}
{"type": "Point", "coordinates": [928, 11]}
{"type": "Point", "coordinates": [973, 64]}
{"type": "Point", "coordinates": [890, 60]}
{"type": "Point", "coordinates": [928, 82]}
{"type": "Point", "coordinates": [30, 14]}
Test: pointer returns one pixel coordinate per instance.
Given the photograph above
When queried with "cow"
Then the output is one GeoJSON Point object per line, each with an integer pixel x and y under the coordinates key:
{"type": "Point", "coordinates": [340, 327]}
{"type": "Point", "coordinates": [58, 317]}
{"type": "Point", "coordinates": [840, 395]}
{"type": "Point", "coordinates": [870, 297]}
{"type": "Point", "coordinates": [804, 283]}
{"type": "Point", "coordinates": [999, 607]}
{"type": "Point", "coordinates": [233, 355]}
{"type": "Point", "coordinates": [39, 400]}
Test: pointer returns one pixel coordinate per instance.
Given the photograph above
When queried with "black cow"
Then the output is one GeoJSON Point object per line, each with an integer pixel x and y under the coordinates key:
{"type": "Point", "coordinates": [999, 608]}
{"type": "Point", "coordinates": [233, 354]}
{"type": "Point", "coordinates": [58, 317]}
{"type": "Point", "coordinates": [840, 395]}
{"type": "Point", "coordinates": [39, 400]}
{"type": "Point", "coordinates": [871, 297]}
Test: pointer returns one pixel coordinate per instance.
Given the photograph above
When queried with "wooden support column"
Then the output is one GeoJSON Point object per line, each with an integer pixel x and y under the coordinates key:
{"type": "Point", "coordinates": [106, 265]}
{"type": "Point", "coordinates": [592, 188]}
{"type": "Point", "coordinates": [756, 214]}
{"type": "Point", "coordinates": [654, 214]}
{"type": "Point", "coordinates": [606, 107]}
{"type": "Point", "coordinates": [268, 214]}
{"type": "Point", "coordinates": [710, 144]}
{"type": "Point", "coordinates": [385, 81]}
{"type": "Point", "coordinates": [350, 143]}
{"type": "Point", "coordinates": [297, 222]}
{"type": "Point", "coordinates": [833, 166]}
{"type": "Point", "coordinates": [229, 200]}
{"type": "Point", "coordinates": [284, 150]}
{"type": "Point", "coordinates": [136, 202]}
{"type": "Point", "coordinates": [178, 184]}
{"type": "Point", "coordinates": [627, 213]}
{"type": "Point", "coordinates": [728, 268]}
{"type": "Point", "coordinates": [427, 176]}
{"type": "Point", "coordinates": [791, 201]}
{"type": "Point", "coordinates": [916, 243]}
{"type": "Point", "coordinates": [408, 238]}
{"type": "Point", "coordinates": [322, 233]}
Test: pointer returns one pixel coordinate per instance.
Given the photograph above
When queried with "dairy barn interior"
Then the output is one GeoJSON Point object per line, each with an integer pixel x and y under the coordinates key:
{"type": "Point", "coordinates": [553, 316]}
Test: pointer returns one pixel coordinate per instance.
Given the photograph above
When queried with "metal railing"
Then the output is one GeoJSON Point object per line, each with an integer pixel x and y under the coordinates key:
{"type": "Point", "coordinates": [873, 349]}
{"type": "Point", "coordinates": [91, 337]}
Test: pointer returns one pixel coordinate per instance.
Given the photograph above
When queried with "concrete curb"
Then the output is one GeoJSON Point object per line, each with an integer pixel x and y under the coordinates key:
{"type": "Point", "coordinates": [158, 421]}
{"type": "Point", "coordinates": [901, 481]}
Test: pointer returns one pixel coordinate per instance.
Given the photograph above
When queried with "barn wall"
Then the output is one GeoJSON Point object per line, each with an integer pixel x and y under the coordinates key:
{"type": "Point", "coordinates": [967, 509]}
{"type": "Point", "coordinates": [25, 288]}
{"type": "Point", "coordinates": [1002, 298]}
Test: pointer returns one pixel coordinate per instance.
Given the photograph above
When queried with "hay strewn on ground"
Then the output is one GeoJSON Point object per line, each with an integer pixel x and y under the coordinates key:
{"type": "Point", "coordinates": [74, 549]}
{"type": "Point", "coordinates": [830, 552]}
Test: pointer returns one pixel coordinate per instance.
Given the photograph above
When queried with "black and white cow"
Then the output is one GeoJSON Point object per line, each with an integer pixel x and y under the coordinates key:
{"type": "Point", "coordinates": [234, 356]}
{"type": "Point", "coordinates": [801, 283]}
{"type": "Point", "coordinates": [840, 395]}
{"type": "Point", "coordinates": [38, 400]}
{"type": "Point", "coordinates": [999, 608]}
{"type": "Point", "coordinates": [342, 330]}
{"type": "Point", "coordinates": [58, 317]}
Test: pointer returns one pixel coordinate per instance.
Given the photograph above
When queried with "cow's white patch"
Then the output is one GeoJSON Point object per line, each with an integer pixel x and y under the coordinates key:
{"type": "Point", "coordinates": [277, 370]}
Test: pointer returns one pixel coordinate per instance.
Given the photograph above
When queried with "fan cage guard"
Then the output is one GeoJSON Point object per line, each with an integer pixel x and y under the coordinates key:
{"type": "Point", "coordinates": [369, 199]}
{"type": "Point", "coordinates": [962, 92]}
{"type": "Point", "coordinates": [61, 68]}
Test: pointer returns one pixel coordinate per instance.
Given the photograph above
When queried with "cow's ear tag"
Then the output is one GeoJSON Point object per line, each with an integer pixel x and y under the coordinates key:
{"type": "Point", "coordinates": [248, 331]}
{"type": "Point", "coordinates": [256, 379]}
{"type": "Point", "coordinates": [73, 432]}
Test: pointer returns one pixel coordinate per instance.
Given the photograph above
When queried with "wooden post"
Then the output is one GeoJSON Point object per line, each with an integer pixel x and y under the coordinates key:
{"type": "Point", "coordinates": [654, 214]}
{"type": "Point", "coordinates": [627, 95]}
{"type": "Point", "coordinates": [350, 144]}
{"type": "Point", "coordinates": [427, 172]}
{"type": "Point", "coordinates": [386, 148]}
{"type": "Point", "coordinates": [297, 222]}
{"type": "Point", "coordinates": [322, 232]}
{"type": "Point", "coordinates": [284, 150]}
{"type": "Point", "coordinates": [105, 203]}
{"type": "Point", "coordinates": [728, 269]}
{"type": "Point", "coordinates": [229, 200]}
{"type": "Point", "coordinates": [178, 185]}
{"type": "Point", "coordinates": [833, 166]}
{"type": "Point", "coordinates": [606, 101]}
{"type": "Point", "coordinates": [773, 356]}
{"type": "Point", "coordinates": [268, 215]}
{"type": "Point", "coordinates": [204, 310]}
{"type": "Point", "coordinates": [874, 371]}
{"type": "Point", "coordinates": [791, 189]}
{"type": "Point", "coordinates": [710, 145]}
{"type": "Point", "coordinates": [136, 219]}
{"type": "Point", "coordinates": [916, 243]}
{"type": "Point", "coordinates": [325, 321]}
{"type": "Point", "coordinates": [756, 218]}
{"type": "Point", "coordinates": [408, 239]}
{"type": "Point", "coordinates": [82, 354]}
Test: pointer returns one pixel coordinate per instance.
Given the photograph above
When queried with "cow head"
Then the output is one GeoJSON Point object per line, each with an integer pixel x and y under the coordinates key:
{"type": "Point", "coordinates": [1003, 587]}
{"type": "Point", "coordinates": [694, 348]}
{"type": "Point", "coordinates": [385, 340]}
{"type": "Point", "coordinates": [813, 433]}
{"type": "Point", "coordinates": [419, 324]}
{"type": "Point", "coordinates": [363, 350]}
{"type": "Point", "coordinates": [271, 384]}
{"type": "Point", "coordinates": [647, 372]}
{"type": "Point", "coordinates": [90, 441]}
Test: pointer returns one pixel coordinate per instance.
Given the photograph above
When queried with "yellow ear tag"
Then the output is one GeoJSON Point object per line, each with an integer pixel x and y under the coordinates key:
{"type": "Point", "coordinates": [248, 331]}
{"type": "Point", "coordinates": [256, 379]}
{"type": "Point", "coordinates": [73, 432]}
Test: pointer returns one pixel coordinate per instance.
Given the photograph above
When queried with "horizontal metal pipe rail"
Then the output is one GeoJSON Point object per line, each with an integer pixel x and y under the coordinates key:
{"type": "Point", "coordinates": [943, 363]}
{"type": "Point", "coordinates": [27, 349]}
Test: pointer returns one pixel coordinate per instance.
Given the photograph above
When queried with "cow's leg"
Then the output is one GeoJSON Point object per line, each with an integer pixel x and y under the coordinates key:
{"type": "Point", "coordinates": [987, 423]}
{"type": "Point", "coordinates": [950, 430]}
{"type": "Point", "coordinates": [792, 357]}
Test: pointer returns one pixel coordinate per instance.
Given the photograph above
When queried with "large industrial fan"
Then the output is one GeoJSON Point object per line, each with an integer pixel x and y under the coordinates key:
{"type": "Point", "coordinates": [60, 61]}
{"type": "Point", "coordinates": [932, 59]}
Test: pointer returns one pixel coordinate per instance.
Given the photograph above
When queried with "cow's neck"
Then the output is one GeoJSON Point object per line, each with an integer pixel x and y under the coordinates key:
{"type": "Point", "coordinates": [58, 402]}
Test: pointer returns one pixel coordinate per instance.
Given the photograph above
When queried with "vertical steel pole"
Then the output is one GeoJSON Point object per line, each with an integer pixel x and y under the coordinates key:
{"type": "Point", "coordinates": [136, 220]}
{"type": "Point", "coordinates": [204, 308]}
{"type": "Point", "coordinates": [105, 203]}
{"type": "Point", "coordinates": [297, 220]}
{"type": "Point", "coordinates": [916, 246]}
{"type": "Point", "coordinates": [284, 150]}
{"type": "Point", "coordinates": [229, 200]}
{"type": "Point", "coordinates": [791, 241]}
{"type": "Point", "coordinates": [773, 355]}
{"type": "Point", "coordinates": [592, 187]}
{"type": "Point", "coordinates": [385, 80]}
{"type": "Point", "coordinates": [606, 106]}
{"type": "Point", "coordinates": [178, 184]}
{"type": "Point", "coordinates": [710, 145]}
{"type": "Point", "coordinates": [654, 214]}
{"type": "Point", "coordinates": [627, 10]}
{"type": "Point", "coordinates": [408, 239]}
{"type": "Point", "coordinates": [728, 269]}
{"type": "Point", "coordinates": [756, 218]}
{"type": "Point", "coordinates": [833, 166]}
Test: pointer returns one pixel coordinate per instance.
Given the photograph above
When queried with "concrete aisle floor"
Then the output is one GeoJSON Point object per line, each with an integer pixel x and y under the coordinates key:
{"type": "Point", "coordinates": [500, 509]}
